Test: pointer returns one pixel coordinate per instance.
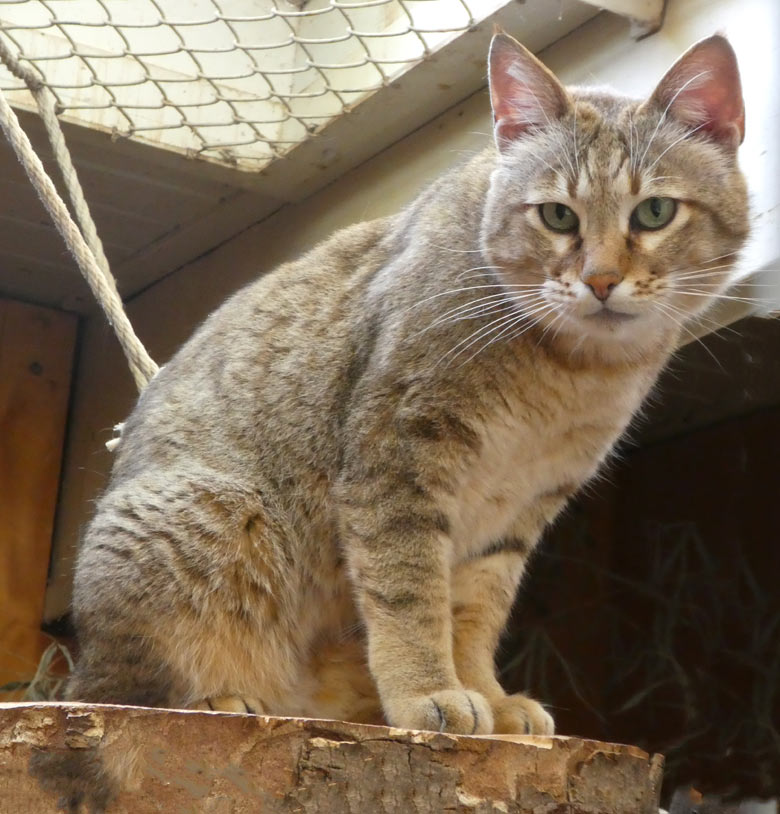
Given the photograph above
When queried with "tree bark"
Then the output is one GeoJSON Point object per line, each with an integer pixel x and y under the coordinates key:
{"type": "Point", "coordinates": [191, 762]}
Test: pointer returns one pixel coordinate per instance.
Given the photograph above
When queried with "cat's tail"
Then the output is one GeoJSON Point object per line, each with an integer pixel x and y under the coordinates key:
{"type": "Point", "coordinates": [81, 770]}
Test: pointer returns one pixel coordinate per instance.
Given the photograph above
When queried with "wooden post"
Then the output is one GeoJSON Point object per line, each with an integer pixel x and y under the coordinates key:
{"type": "Point", "coordinates": [221, 763]}
{"type": "Point", "coordinates": [36, 353]}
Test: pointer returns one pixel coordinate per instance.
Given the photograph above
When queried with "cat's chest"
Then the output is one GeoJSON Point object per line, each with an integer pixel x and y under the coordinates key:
{"type": "Point", "coordinates": [534, 448]}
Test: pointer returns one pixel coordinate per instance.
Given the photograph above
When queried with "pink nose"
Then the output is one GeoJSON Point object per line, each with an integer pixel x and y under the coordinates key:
{"type": "Point", "coordinates": [602, 283]}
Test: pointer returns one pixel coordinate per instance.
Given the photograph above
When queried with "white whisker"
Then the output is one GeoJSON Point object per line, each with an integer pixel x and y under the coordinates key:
{"type": "Point", "coordinates": [715, 296]}
{"type": "Point", "coordinates": [485, 330]}
{"type": "Point", "coordinates": [486, 270]}
{"type": "Point", "coordinates": [670, 313]}
{"type": "Point", "coordinates": [675, 143]}
{"type": "Point", "coordinates": [451, 291]}
{"type": "Point", "coordinates": [508, 327]}
{"type": "Point", "coordinates": [663, 115]}
{"type": "Point", "coordinates": [455, 251]}
{"type": "Point", "coordinates": [479, 305]}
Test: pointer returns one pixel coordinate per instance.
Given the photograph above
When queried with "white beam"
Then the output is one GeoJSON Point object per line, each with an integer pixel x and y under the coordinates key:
{"type": "Point", "coordinates": [646, 16]}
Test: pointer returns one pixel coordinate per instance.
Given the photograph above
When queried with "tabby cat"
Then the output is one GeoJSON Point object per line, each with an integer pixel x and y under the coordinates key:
{"type": "Point", "coordinates": [324, 503]}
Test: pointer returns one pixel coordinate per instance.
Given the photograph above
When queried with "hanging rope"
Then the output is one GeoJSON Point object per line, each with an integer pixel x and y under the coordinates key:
{"type": "Point", "coordinates": [83, 243]}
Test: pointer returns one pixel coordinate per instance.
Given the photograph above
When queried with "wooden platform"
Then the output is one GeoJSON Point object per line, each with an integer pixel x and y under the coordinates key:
{"type": "Point", "coordinates": [221, 763]}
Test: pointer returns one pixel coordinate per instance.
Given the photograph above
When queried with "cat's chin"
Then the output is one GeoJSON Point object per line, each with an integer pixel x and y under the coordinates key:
{"type": "Point", "coordinates": [612, 337]}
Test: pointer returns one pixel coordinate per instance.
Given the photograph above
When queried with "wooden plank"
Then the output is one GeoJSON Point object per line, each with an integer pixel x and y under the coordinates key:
{"type": "Point", "coordinates": [36, 353]}
{"type": "Point", "coordinates": [215, 762]}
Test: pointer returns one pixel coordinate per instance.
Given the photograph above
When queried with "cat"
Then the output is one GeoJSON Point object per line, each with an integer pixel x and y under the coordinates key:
{"type": "Point", "coordinates": [323, 504]}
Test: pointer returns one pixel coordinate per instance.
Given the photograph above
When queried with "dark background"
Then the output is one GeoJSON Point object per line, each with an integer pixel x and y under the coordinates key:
{"type": "Point", "coordinates": [651, 612]}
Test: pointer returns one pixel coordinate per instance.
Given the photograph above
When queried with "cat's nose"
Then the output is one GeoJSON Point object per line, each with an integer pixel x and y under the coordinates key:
{"type": "Point", "coordinates": [602, 283]}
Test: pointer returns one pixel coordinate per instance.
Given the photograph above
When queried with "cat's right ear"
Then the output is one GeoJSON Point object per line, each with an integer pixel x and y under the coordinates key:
{"type": "Point", "coordinates": [524, 93]}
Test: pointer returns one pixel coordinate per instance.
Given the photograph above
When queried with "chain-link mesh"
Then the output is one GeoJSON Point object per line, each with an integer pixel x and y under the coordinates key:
{"type": "Point", "coordinates": [240, 82]}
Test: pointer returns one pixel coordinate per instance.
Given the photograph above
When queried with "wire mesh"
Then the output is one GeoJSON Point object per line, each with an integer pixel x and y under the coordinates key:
{"type": "Point", "coordinates": [239, 82]}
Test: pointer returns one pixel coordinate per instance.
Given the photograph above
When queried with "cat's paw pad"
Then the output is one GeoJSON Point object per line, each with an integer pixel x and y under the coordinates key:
{"type": "Point", "coordinates": [231, 703]}
{"type": "Point", "coordinates": [520, 715]}
{"type": "Point", "coordinates": [462, 712]}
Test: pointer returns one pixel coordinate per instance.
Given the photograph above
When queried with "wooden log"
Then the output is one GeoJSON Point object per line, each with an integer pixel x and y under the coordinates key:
{"type": "Point", "coordinates": [191, 762]}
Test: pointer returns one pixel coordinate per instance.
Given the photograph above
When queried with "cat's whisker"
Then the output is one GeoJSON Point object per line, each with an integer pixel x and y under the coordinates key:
{"type": "Point", "coordinates": [475, 336]}
{"type": "Point", "coordinates": [479, 305]}
{"type": "Point", "coordinates": [480, 333]}
{"type": "Point", "coordinates": [455, 314]}
{"type": "Point", "coordinates": [700, 278]}
{"type": "Point", "coordinates": [454, 251]}
{"type": "Point", "coordinates": [486, 269]}
{"type": "Point", "coordinates": [719, 273]}
{"type": "Point", "coordinates": [715, 296]}
{"type": "Point", "coordinates": [662, 119]}
{"type": "Point", "coordinates": [492, 339]}
{"type": "Point", "coordinates": [660, 178]}
{"type": "Point", "coordinates": [541, 160]}
{"type": "Point", "coordinates": [576, 148]}
{"type": "Point", "coordinates": [490, 309]}
{"type": "Point", "coordinates": [633, 150]}
{"type": "Point", "coordinates": [477, 275]}
{"type": "Point", "coordinates": [530, 325]}
{"type": "Point", "coordinates": [670, 314]}
{"type": "Point", "coordinates": [508, 327]}
{"type": "Point", "coordinates": [713, 326]}
{"type": "Point", "coordinates": [548, 327]}
{"type": "Point", "coordinates": [450, 292]}
{"type": "Point", "coordinates": [702, 319]}
{"type": "Point", "coordinates": [704, 264]}
{"type": "Point", "coordinates": [684, 136]}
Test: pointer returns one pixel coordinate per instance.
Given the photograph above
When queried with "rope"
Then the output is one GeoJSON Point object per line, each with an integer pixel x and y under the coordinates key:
{"type": "Point", "coordinates": [83, 243]}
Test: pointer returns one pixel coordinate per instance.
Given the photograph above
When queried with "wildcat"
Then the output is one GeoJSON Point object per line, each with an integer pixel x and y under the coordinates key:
{"type": "Point", "coordinates": [324, 503]}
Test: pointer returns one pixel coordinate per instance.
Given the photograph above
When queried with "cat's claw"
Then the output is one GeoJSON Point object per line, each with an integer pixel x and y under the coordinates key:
{"type": "Point", "coordinates": [231, 703]}
{"type": "Point", "coordinates": [462, 712]}
{"type": "Point", "coordinates": [520, 715]}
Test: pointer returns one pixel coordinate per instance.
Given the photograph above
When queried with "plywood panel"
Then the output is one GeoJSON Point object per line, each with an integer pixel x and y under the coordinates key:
{"type": "Point", "coordinates": [36, 353]}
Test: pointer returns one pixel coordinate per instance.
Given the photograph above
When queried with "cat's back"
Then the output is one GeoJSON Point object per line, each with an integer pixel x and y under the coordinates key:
{"type": "Point", "coordinates": [259, 363]}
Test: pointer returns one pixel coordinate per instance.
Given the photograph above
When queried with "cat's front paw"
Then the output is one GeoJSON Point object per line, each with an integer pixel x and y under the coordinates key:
{"type": "Point", "coordinates": [520, 715]}
{"type": "Point", "coordinates": [462, 712]}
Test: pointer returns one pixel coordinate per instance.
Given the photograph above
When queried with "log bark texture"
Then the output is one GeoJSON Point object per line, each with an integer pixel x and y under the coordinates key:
{"type": "Point", "coordinates": [217, 763]}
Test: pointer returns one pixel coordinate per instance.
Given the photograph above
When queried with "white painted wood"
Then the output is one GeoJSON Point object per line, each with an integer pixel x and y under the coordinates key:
{"type": "Point", "coordinates": [647, 15]}
{"type": "Point", "coordinates": [144, 79]}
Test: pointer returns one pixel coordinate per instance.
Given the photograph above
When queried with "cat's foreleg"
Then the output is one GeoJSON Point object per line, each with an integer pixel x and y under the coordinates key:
{"type": "Point", "coordinates": [483, 591]}
{"type": "Point", "coordinates": [399, 562]}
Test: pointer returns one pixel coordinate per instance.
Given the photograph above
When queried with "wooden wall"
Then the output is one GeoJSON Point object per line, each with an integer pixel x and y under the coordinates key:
{"type": "Point", "coordinates": [36, 355]}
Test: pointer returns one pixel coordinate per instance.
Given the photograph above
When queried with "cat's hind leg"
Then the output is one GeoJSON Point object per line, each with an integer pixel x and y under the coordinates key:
{"type": "Point", "coordinates": [184, 591]}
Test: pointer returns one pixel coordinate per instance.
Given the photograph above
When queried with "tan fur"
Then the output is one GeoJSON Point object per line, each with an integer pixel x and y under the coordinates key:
{"type": "Point", "coordinates": [324, 503]}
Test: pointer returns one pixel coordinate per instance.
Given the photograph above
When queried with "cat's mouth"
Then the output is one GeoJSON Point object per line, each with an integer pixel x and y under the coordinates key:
{"type": "Point", "coordinates": [608, 316]}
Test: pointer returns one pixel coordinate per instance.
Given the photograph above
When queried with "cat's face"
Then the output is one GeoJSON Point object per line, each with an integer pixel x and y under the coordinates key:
{"type": "Point", "coordinates": [613, 222]}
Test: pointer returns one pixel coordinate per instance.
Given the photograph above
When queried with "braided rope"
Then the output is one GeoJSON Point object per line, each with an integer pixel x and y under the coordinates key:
{"type": "Point", "coordinates": [83, 243]}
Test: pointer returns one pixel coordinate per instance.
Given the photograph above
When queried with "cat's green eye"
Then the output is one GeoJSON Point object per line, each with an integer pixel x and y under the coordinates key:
{"type": "Point", "coordinates": [654, 213]}
{"type": "Point", "coordinates": [559, 217]}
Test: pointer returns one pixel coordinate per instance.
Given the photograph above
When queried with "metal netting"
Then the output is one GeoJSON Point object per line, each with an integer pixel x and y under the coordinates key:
{"type": "Point", "coordinates": [240, 82]}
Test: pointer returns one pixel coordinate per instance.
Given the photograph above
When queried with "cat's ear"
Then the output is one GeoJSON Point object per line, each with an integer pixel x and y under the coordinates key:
{"type": "Point", "coordinates": [524, 93]}
{"type": "Point", "coordinates": [702, 91]}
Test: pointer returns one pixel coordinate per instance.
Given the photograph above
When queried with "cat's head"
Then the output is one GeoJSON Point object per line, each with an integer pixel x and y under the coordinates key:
{"type": "Point", "coordinates": [613, 221]}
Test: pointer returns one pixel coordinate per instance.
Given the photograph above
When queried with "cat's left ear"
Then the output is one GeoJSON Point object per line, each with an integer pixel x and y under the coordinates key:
{"type": "Point", "coordinates": [524, 93]}
{"type": "Point", "coordinates": [702, 90]}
